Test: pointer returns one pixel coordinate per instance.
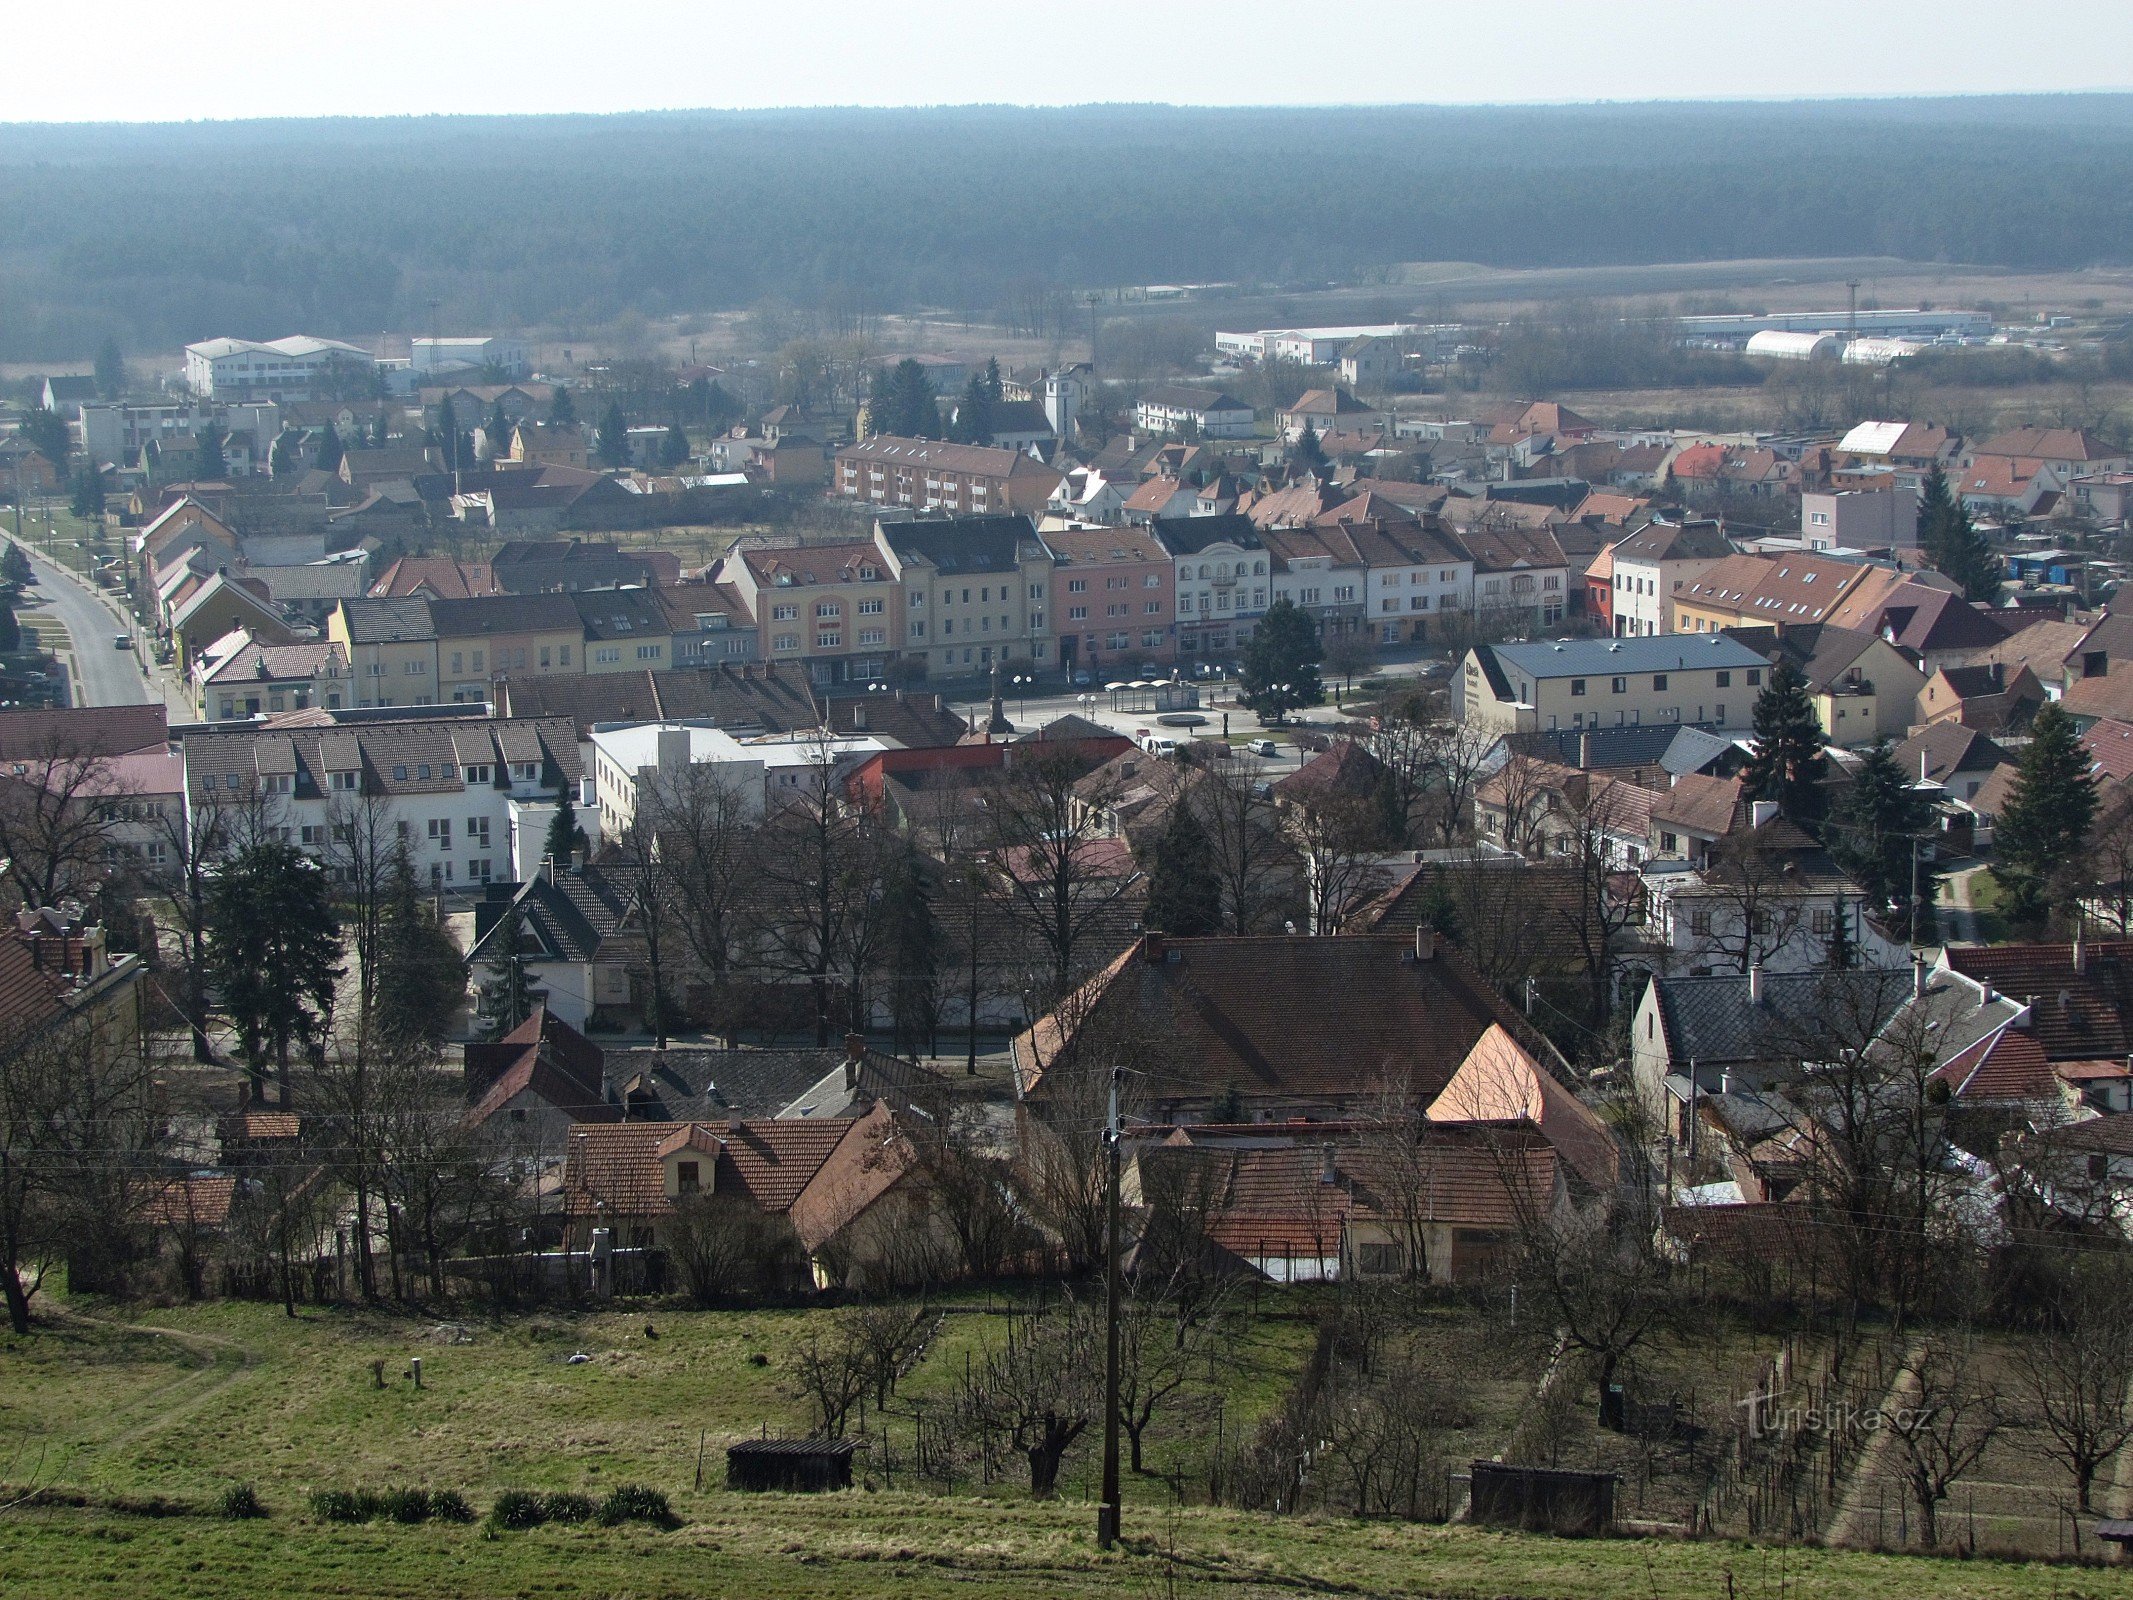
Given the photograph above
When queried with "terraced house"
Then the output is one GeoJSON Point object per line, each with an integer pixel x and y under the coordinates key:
{"type": "Point", "coordinates": [975, 590]}
{"type": "Point", "coordinates": [927, 475]}
{"type": "Point", "coordinates": [835, 609]}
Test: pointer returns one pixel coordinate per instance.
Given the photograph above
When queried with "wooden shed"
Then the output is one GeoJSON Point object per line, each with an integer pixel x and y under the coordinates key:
{"type": "Point", "coordinates": [790, 1466]}
{"type": "Point", "coordinates": [1542, 1499]}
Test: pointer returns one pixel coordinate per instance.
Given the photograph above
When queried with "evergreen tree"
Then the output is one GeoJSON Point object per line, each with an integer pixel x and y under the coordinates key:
{"type": "Point", "coordinates": [562, 410]}
{"type": "Point", "coordinates": [1309, 453]}
{"type": "Point", "coordinates": [1951, 544]}
{"type": "Point", "coordinates": [914, 410]}
{"type": "Point", "coordinates": [274, 945]}
{"type": "Point", "coordinates": [330, 452]}
{"type": "Point", "coordinates": [1840, 953]}
{"type": "Point", "coordinates": [995, 388]}
{"type": "Point", "coordinates": [448, 436]}
{"type": "Point", "coordinates": [1788, 764]}
{"type": "Point", "coordinates": [46, 432]}
{"type": "Point", "coordinates": [674, 448]}
{"type": "Point", "coordinates": [564, 834]}
{"type": "Point", "coordinates": [1871, 833]}
{"type": "Point", "coordinates": [1184, 880]}
{"type": "Point", "coordinates": [208, 462]}
{"type": "Point", "coordinates": [1391, 809]}
{"type": "Point", "coordinates": [881, 401]}
{"type": "Point", "coordinates": [10, 629]}
{"type": "Point", "coordinates": [421, 980]}
{"type": "Point", "coordinates": [496, 432]}
{"type": "Point", "coordinates": [614, 436]}
{"type": "Point", "coordinates": [1281, 662]}
{"type": "Point", "coordinates": [507, 994]}
{"type": "Point", "coordinates": [285, 455]}
{"type": "Point", "coordinates": [2046, 820]}
{"type": "Point", "coordinates": [15, 569]}
{"type": "Point", "coordinates": [973, 414]}
{"type": "Point", "coordinates": [88, 500]}
{"type": "Point", "coordinates": [110, 370]}
{"type": "Point", "coordinates": [914, 948]}
{"type": "Point", "coordinates": [379, 434]}
{"type": "Point", "coordinates": [720, 409]}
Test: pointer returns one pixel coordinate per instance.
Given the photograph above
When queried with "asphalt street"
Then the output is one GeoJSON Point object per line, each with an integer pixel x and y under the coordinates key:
{"type": "Point", "coordinates": [99, 674]}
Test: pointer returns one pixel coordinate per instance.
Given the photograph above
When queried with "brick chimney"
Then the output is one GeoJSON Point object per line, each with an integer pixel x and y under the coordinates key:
{"type": "Point", "coordinates": [1425, 942]}
{"type": "Point", "coordinates": [1152, 949]}
{"type": "Point", "coordinates": [855, 1055]}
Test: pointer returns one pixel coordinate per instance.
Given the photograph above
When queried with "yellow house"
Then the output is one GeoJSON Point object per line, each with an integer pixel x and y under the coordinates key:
{"type": "Point", "coordinates": [505, 636]}
{"type": "Point", "coordinates": [391, 646]}
{"type": "Point", "coordinates": [624, 630]}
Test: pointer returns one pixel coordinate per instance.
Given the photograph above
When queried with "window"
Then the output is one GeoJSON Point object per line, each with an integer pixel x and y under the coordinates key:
{"type": "Point", "coordinates": [400, 774]}
{"type": "Point", "coordinates": [1658, 680]}
{"type": "Point", "coordinates": [1725, 680]}
{"type": "Point", "coordinates": [1077, 586]}
{"type": "Point", "coordinates": [441, 832]}
{"type": "Point", "coordinates": [785, 641]}
{"type": "Point", "coordinates": [1618, 685]}
{"type": "Point", "coordinates": [1755, 677]}
{"type": "Point", "coordinates": [1577, 686]}
{"type": "Point", "coordinates": [829, 608]}
{"type": "Point", "coordinates": [1077, 613]}
{"type": "Point", "coordinates": [648, 652]}
{"type": "Point", "coordinates": [918, 630]}
{"type": "Point", "coordinates": [917, 602]}
{"type": "Point", "coordinates": [828, 641]}
{"type": "Point", "coordinates": [788, 613]}
{"type": "Point", "coordinates": [344, 779]}
{"type": "Point", "coordinates": [870, 608]}
{"type": "Point", "coordinates": [1700, 920]}
{"type": "Point", "coordinates": [478, 772]}
{"type": "Point", "coordinates": [1153, 608]}
{"type": "Point", "coordinates": [1154, 580]}
{"type": "Point", "coordinates": [279, 783]}
{"type": "Point", "coordinates": [607, 653]}
{"type": "Point", "coordinates": [418, 669]}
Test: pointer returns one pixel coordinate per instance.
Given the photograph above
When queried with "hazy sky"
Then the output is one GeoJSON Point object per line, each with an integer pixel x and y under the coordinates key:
{"type": "Point", "coordinates": [154, 60]}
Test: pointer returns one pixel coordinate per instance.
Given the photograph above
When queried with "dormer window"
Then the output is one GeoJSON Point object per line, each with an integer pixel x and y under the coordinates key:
{"type": "Point", "coordinates": [688, 1176]}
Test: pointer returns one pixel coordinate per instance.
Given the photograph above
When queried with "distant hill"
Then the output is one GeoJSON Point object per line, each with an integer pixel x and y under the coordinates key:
{"type": "Point", "coordinates": [165, 233]}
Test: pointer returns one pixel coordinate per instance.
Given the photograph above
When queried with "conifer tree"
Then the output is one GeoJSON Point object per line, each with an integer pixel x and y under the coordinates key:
{"type": "Point", "coordinates": [1951, 544]}
{"type": "Point", "coordinates": [208, 462]}
{"type": "Point", "coordinates": [1840, 953]}
{"type": "Point", "coordinates": [1184, 882]}
{"type": "Point", "coordinates": [420, 979]}
{"type": "Point", "coordinates": [1281, 662]}
{"type": "Point", "coordinates": [2046, 820]}
{"type": "Point", "coordinates": [507, 995]}
{"type": "Point", "coordinates": [1788, 764]}
{"type": "Point", "coordinates": [1873, 833]}
{"type": "Point", "coordinates": [329, 450]}
{"type": "Point", "coordinates": [562, 410]}
{"type": "Point", "coordinates": [614, 436]}
{"type": "Point", "coordinates": [564, 834]}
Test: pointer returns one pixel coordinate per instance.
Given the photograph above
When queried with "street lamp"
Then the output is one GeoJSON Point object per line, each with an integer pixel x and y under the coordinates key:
{"type": "Point", "coordinates": [1022, 682]}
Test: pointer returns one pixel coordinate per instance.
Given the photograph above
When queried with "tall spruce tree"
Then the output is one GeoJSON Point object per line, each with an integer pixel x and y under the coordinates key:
{"type": "Point", "coordinates": [507, 993]}
{"type": "Point", "coordinates": [674, 448]}
{"type": "Point", "coordinates": [914, 947]}
{"type": "Point", "coordinates": [914, 409]}
{"type": "Point", "coordinates": [1788, 764]}
{"type": "Point", "coordinates": [420, 978]}
{"type": "Point", "coordinates": [2046, 819]}
{"type": "Point", "coordinates": [329, 449]}
{"type": "Point", "coordinates": [1951, 544]}
{"type": "Point", "coordinates": [1873, 832]}
{"type": "Point", "coordinates": [1281, 662]}
{"type": "Point", "coordinates": [881, 402]}
{"type": "Point", "coordinates": [613, 436]}
{"type": "Point", "coordinates": [564, 834]}
{"type": "Point", "coordinates": [496, 431]}
{"type": "Point", "coordinates": [1840, 952]}
{"type": "Point", "coordinates": [47, 433]}
{"type": "Point", "coordinates": [1184, 881]}
{"type": "Point", "coordinates": [274, 945]}
{"type": "Point", "coordinates": [88, 491]}
{"type": "Point", "coordinates": [1309, 452]}
{"type": "Point", "coordinates": [110, 370]}
{"type": "Point", "coordinates": [973, 414]}
{"type": "Point", "coordinates": [562, 410]}
{"type": "Point", "coordinates": [209, 464]}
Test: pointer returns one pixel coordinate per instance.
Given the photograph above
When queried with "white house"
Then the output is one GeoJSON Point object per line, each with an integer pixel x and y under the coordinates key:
{"type": "Point", "coordinates": [630, 757]}
{"type": "Point", "coordinates": [1208, 412]}
{"type": "Point", "coordinates": [280, 369]}
{"type": "Point", "coordinates": [1651, 564]}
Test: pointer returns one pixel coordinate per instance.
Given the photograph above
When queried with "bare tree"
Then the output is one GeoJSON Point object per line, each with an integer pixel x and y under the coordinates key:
{"type": "Point", "coordinates": [194, 839]}
{"type": "Point", "coordinates": [1056, 873]}
{"type": "Point", "coordinates": [726, 1246]}
{"type": "Point", "coordinates": [971, 1183]}
{"type": "Point", "coordinates": [1602, 904]}
{"type": "Point", "coordinates": [1252, 859]}
{"type": "Point", "coordinates": [1759, 912]}
{"type": "Point", "coordinates": [707, 830]}
{"type": "Point", "coordinates": [2110, 860]}
{"type": "Point", "coordinates": [1458, 755]}
{"type": "Point", "coordinates": [1337, 839]}
{"type": "Point", "coordinates": [2077, 1374]}
{"type": "Point", "coordinates": [1941, 1419]}
{"type": "Point", "coordinates": [365, 845]}
{"type": "Point", "coordinates": [653, 910]}
{"type": "Point", "coordinates": [813, 870]}
{"type": "Point", "coordinates": [76, 1134]}
{"type": "Point", "coordinates": [1039, 1387]}
{"type": "Point", "coordinates": [60, 807]}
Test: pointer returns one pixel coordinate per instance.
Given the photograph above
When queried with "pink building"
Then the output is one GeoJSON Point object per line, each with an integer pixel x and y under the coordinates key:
{"type": "Point", "coordinates": [1114, 598]}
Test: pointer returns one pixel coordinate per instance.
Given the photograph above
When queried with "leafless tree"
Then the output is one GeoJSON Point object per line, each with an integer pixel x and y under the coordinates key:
{"type": "Point", "coordinates": [814, 868]}
{"type": "Point", "coordinates": [1337, 839]}
{"type": "Point", "coordinates": [1458, 754]}
{"type": "Point", "coordinates": [707, 831]}
{"type": "Point", "coordinates": [655, 901]}
{"type": "Point", "coordinates": [2110, 860]}
{"type": "Point", "coordinates": [1759, 912]}
{"type": "Point", "coordinates": [434, 1168]}
{"type": "Point", "coordinates": [2077, 1373]}
{"type": "Point", "coordinates": [365, 844]}
{"type": "Point", "coordinates": [725, 1245]}
{"type": "Point", "coordinates": [77, 1132]}
{"type": "Point", "coordinates": [1604, 900]}
{"type": "Point", "coordinates": [1056, 875]}
{"type": "Point", "coordinates": [194, 839]}
{"type": "Point", "coordinates": [971, 1183]}
{"type": "Point", "coordinates": [1039, 1386]}
{"type": "Point", "coordinates": [1252, 859]}
{"type": "Point", "coordinates": [829, 1373]}
{"type": "Point", "coordinates": [1942, 1420]}
{"type": "Point", "coordinates": [61, 805]}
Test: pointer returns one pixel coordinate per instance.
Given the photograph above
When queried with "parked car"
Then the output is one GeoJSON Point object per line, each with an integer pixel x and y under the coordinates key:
{"type": "Point", "coordinates": [1264, 747]}
{"type": "Point", "coordinates": [122, 641]}
{"type": "Point", "coordinates": [1082, 679]}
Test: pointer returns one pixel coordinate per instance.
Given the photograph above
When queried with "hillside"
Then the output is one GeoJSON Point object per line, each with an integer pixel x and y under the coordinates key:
{"type": "Point", "coordinates": [161, 234]}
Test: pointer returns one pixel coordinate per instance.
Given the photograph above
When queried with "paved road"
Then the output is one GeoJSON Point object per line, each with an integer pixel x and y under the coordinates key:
{"type": "Point", "coordinates": [101, 675]}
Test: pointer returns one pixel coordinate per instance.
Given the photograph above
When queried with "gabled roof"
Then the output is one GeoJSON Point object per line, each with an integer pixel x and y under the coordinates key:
{"type": "Point", "coordinates": [388, 621]}
{"type": "Point", "coordinates": [1500, 1081]}
{"type": "Point", "coordinates": [1711, 1021]}
{"type": "Point", "coordinates": [2007, 1067]}
{"type": "Point", "coordinates": [2075, 1016]}
{"type": "Point", "coordinates": [1344, 770]}
{"type": "Point", "coordinates": [965, 544]}
{"type": "Point", "coordinates": [74, 731]}
{"type": "Point", "coordinates": [1180, 397]}
{"type": "Point", "coordinates": [1670, 541]}
{"type": "Point", "coordinates": [1940, 750]}
{"type": "Point", "coordinates": [1699, 804]}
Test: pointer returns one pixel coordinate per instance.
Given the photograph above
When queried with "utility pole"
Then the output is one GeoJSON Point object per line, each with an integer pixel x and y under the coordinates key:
{"type": "Point", "coordinates": [1107, 1511]}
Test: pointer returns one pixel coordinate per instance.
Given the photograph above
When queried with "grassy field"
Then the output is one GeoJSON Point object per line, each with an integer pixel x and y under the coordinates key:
{"type": "Point", "coordinates": [110, 1410]}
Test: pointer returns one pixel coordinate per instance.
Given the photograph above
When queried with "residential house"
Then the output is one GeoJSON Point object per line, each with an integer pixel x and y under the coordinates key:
{"type": "Point", "coordinates": [1693, 815]}
{"type": "Point", "coordinates": [624, 630]}
{"type": "Point", "coordinates": [1987, 696]}
{"type": "Point", "coordinates": [580, 938]}
{"type": "Point", "coordinates": [1775, 591]}
{"type": "Point", "coordinates": [711, 626]}
{"type": "Point", "coordinates": [1222, 580]}
{"type": "Point", "coordinates": [549, 444]}
{"type": "Point", "coordinates": [1416, 581]}
{"type": "Point", "coordinates": [204, 609]}
{"type": "Point", "coordinates": [391, 646]}
{"type": "Point", "coordinates": [1202, 413]}
{"type": "Point", "coordinates": [494, 636]}
{"type": "Point", "coordinates": [974, 590]}
{"type": "Point", "coordinates": [531, 1089]}
{"type": "Point", "coordinates": [1521, 575]}
{"type": "Point", "coordinates": [1580, 683]}
{"type": "Point", "coordinates": [926, 475]}
{"type": "Point", "coordinates": [1954, 755]}
{"type": "Point", "coordinates": [1219, 1016]}
{"type": "Point", "coordinates": [1539, 809]}
{"type": "Point", "coordinates": [1334, 410]}
{"type": "Point", "coordinates": [435, 578]}
{"type": "Point", "coordinates": [241, 676]}
{"type": "Point", "coordinates": [1932, 624]}
{"type": "Point", "coordinates": [1860, 519]}
{"type": "Point", "coordinates": [469, 796]}
{"type": "Point", "coordinates": [1321, 571]}
{"type": "Point", "coordinates": [1863, 688]}
{"type": "Point", "coordinates": [1650, 566]}
{"type": "Point", "coordinates": [1113, 594]}
{"type": "Point", "coordinates": [543, 566]}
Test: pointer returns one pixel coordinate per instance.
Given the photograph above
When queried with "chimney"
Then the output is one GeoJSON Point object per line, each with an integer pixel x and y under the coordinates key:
{"type": "Point", "coordinates": [1425, 942]}
{"type": "Point", "coordinates": [1727, 1083]}
{"type": "Point", "coordinates": [577, 860]}
{"type": "Point", "coordinates": [1152, 949]}
{"type": "Point", "coordinates": [1755, 983]}
{"type": "Point", "coordinates": [673, 744]}
{"type": "Point", "coordinates": [1762, 811]}
{"type": "Point", "coordinates": [855, 1054]}
{"type": "Point", "coordinates": [548, 869]}
{"type": "Point", "coordinates": [1918, 977]}
{"type": "Point", "coordinates": [2081, 954]}
{"type": "Point", "coordinates": [1328, 1168]}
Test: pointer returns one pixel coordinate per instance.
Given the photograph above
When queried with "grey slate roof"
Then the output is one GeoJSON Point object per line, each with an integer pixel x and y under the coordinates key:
{"type": "Point", "coordinates": [384, 621]}
{"type": "Point", "coordinates": [1710, 1020]}
{"type": "Point", "coordinates": [1666, 652]}
{"type": "Point", "coordinates": [1693, 750]}
{"type": "Point", "coordinates": [504, 613]}
{"type": "Point", "coordinates": [963, 544]}
{"type": "Point", "coordinates": [715, 1085]}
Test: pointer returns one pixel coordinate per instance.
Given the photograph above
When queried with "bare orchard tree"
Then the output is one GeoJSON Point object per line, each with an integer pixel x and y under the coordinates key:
{"type": "Point", "coordinates": [725, 1247]}
{"type": "Point", "coordinates": [960, 1164]}
{"type": "Point", "coordinates": [2077, 1372]}
{"type": "Point", "coordinates": [654, 908]}
{"type": "Point", "coordinates": [1038, 1385]}
{"type": "Point", "coordinates": [1601, 901]}
{"type": "Point", "coordinates": [2110, 861]}
{"type": "Point", "coordinates": [77, 1129]}
{"type": "Point", "coordinates": [435, 1171]}
{"type": "Point", "coordinates": [1941, 1416]}
{"type": "Point", "coordinates": [60, 807]}
{"type": "Point", "coordinates": [1057, 875]}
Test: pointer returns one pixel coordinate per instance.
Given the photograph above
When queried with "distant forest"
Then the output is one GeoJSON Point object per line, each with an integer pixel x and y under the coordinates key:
{"type": "Point", "coordinates": [165, 233]}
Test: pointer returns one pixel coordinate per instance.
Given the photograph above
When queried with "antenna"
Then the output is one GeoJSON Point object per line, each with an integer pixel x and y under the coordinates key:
{"type": "Point", "coordinates": [1851, 321]}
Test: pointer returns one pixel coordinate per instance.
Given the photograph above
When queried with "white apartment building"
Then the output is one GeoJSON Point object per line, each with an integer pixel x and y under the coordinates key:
{"type": "Point", "coordinates": [470, 798]}
{"type": "Point", "coordinates": [1650, 567]}
{"type": "Point", "coordinates": [632, 759]}
{"type": "Point", "coordinates": [1415, 580]}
